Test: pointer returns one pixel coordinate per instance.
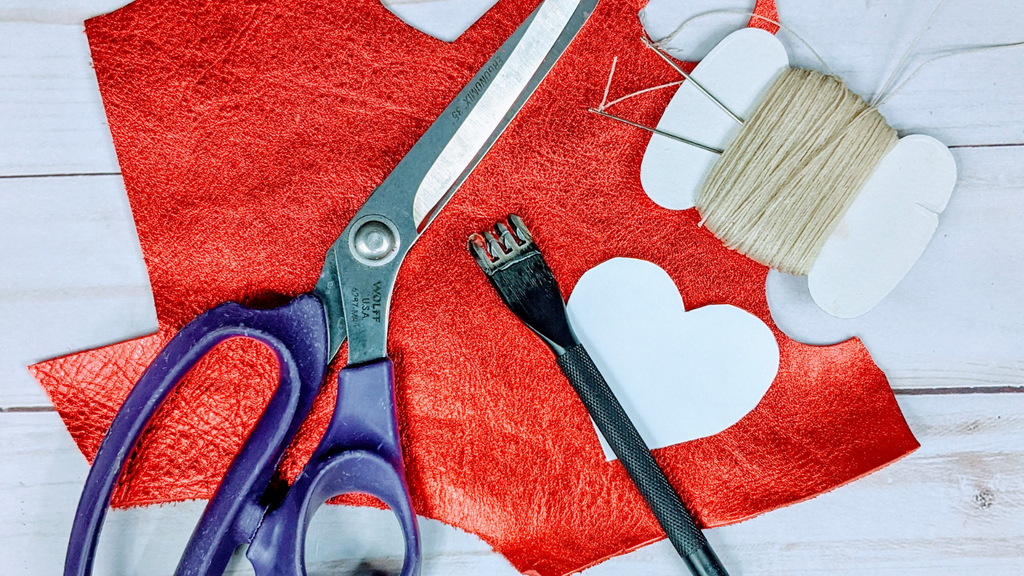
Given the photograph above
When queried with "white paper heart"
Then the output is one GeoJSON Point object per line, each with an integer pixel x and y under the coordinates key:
{"type": "Point", "coordinates": [680, 375]}
{"type": "Point", "coordinates": [443, 19]}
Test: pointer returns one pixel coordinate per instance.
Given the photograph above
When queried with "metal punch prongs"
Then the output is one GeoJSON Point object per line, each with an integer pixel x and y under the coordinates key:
{"type": "Point", "coordinates": [495, 250]}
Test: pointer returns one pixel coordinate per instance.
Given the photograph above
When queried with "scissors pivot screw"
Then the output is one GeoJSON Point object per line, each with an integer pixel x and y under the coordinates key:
{"type": "Point", "coordinates": [375, 241]}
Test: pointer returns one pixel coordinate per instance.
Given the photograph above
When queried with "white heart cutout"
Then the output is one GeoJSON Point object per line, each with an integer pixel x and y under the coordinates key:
{"type": "Point", "coordinates": [443, 19]}
{"type": "Point", "coordinates": [680, 375]}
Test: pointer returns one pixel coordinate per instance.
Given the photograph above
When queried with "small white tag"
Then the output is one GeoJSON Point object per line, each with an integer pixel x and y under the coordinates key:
{"type": "Point", "coordinates": [443, 19]}
{"type": "Point", "coordinates": [680, 375]}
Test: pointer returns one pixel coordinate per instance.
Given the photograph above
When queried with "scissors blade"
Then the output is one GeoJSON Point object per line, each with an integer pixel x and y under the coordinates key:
{"type": "Point", "coordinates": [477, 116]}
{"type": "Point", "coordinates": [355, 291]}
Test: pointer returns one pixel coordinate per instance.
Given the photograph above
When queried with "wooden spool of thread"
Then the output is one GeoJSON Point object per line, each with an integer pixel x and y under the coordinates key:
{"type": "Point", "coordinates": [793, 169]}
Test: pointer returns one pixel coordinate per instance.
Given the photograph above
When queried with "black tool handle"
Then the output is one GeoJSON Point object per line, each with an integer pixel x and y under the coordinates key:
{"type": "Point", "coordinates": [631, 450]}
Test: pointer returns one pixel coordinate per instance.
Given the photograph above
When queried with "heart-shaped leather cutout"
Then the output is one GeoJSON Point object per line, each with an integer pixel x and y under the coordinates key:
{"type": "Point", "coordinates": [443, 19]}
{"type": "Point", "coordinates": [680, 375]}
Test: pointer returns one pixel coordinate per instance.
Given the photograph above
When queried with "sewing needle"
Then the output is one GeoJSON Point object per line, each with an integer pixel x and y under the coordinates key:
{"type": "Point", "coordinates": [656, 131]}
{"type": "Point", "coordinates": [667, 59]}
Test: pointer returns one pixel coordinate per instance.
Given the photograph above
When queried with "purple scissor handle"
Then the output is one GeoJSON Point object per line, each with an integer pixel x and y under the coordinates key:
{"type": "Point", "coordinates": [360, 451]}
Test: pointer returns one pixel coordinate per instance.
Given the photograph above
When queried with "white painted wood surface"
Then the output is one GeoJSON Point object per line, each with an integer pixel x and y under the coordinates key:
{"type": "Point", "coordinates": [71, 278]}
{"type": "Point", "coordinates": [51, 116]}
{"type": "Point", "coordinates": [957, 318]}
{"type": "Point", "coordinates": [956, 506]}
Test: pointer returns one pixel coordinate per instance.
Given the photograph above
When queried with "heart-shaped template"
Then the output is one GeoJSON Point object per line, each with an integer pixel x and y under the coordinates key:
{"type": "Point", "coordinates": [443, 19]}
{"type": "Point", "coordinates": [680, 375]}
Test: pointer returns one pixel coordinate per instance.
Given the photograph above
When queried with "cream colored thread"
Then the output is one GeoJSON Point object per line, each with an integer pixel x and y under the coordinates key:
{"type": "Point", "coordinates": [639, 92]}
{"type": "Point", "coordinates": [906, 54]}
{"type": "Point", "coordinates": [793, 169]}
{"type": "Point", "coordinates": [608, 86]}
{"type": "Point", "coordinates": [605, 104]}
{"type": "Point", "coordinates": [961, 52]}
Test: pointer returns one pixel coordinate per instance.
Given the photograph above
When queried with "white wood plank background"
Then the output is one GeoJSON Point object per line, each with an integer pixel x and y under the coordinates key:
{"type": "Point", "coordinates": [953, 507]}
{"type": "Point", "coordinates": [951, 337]}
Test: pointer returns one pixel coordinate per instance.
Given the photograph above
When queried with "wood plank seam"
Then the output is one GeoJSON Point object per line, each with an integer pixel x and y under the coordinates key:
{"type": "Point", "coordinates": [13, 176]}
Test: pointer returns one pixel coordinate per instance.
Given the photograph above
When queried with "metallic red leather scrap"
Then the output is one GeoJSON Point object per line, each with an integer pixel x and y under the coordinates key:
{"type": "Point", "coordinates": [249, 132]}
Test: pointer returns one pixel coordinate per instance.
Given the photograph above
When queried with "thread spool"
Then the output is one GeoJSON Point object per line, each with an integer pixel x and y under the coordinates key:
{"type": "Point", "coordinates": [787, 178]}
{"type": "Point", "coordinates": [887, 218]}
{"type": "Point", "coordinates": [794, 168]}
{"type": "Point", "coordinates": [885, 193]}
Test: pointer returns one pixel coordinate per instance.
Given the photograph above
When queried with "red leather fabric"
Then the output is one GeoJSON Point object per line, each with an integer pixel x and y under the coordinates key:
{"type": "Point", "coordinates": [248, 134]}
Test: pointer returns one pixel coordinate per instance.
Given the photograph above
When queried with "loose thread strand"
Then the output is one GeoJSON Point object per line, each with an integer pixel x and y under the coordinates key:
{"type": "Point", "coordinates": [639, 92]}
{"type": "Point", "coordinates": [664, 42]}
{"type": "Point", "coordinates": [906, 54]}
{"type": "Point", "coordinates": [927, 63]}
{"type": "Point", "coordinates": [601, 110]}
{"type": "Point", "coordinates": [604, 100]}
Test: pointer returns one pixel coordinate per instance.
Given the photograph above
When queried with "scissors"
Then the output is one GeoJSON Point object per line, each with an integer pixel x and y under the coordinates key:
{"type": "Point", "coordinates": [361, 450]}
